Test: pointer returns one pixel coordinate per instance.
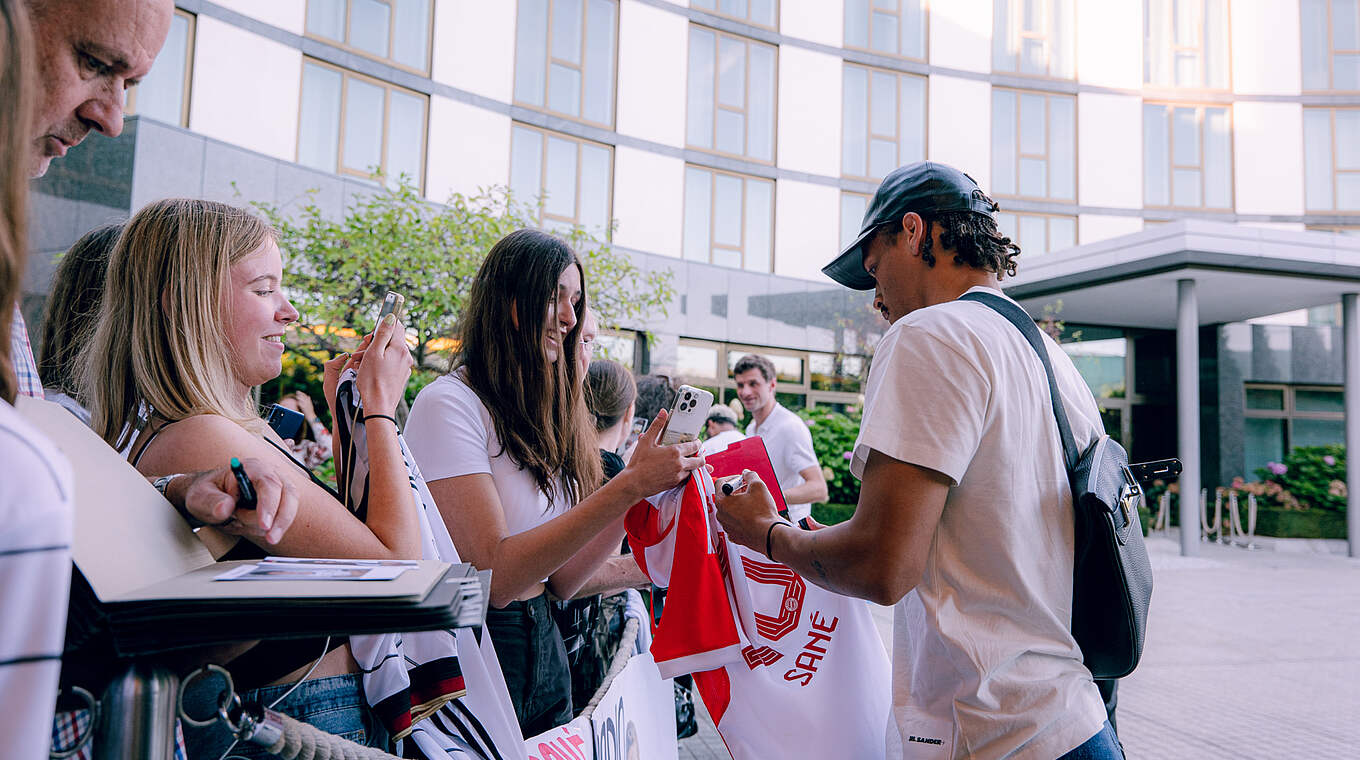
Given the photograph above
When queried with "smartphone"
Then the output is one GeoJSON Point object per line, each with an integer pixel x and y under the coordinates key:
{"type": "Point", "coordinates": [688, 414]}
{"type": "Point", "coordinates": [392, 304]}
{"type": "Point", "coordinates": [286, 422]}
{"type": "Point", "coordinates": [1162, 469]}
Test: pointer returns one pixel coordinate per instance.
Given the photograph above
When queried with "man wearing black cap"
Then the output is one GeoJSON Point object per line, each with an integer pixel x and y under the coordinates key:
{"type": "Point", "coordinates": [965, 518]}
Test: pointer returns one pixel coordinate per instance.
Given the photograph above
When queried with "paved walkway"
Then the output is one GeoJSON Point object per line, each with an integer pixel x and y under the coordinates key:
{"type": "Point", "coordinates": [1249, 655]}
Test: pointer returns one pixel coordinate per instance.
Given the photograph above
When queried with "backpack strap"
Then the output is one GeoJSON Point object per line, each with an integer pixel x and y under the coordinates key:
{"type": "Point", "coordinates": [1017, 316]}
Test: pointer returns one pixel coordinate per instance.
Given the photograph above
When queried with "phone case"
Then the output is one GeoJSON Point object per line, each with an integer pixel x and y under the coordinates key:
{"type": "Point", "coordinates": [687, 415]}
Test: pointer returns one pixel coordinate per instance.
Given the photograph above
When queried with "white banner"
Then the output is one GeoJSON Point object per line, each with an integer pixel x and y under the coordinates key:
{"type": "Point", "coordinates": [574, 741]}
{"type": "Point", "coordinates": [636, 718]}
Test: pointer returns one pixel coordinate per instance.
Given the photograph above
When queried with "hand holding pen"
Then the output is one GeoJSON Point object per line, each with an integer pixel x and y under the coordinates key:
{"type": "Point", "coordinates": [247, 498]}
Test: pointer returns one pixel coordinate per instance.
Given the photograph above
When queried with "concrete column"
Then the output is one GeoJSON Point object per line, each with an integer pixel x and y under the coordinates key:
{"type": "Point", "coordinates": [1187, 412]}
{"type": "Point", "coordinates": [1350, 318]}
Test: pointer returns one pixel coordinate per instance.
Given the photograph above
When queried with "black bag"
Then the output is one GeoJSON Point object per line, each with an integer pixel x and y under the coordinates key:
{"type": "Point", "coordinates": [1112, 578]}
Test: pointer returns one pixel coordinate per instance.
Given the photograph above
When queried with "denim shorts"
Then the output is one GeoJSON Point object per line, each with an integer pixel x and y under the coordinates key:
{"type": "Point", "coordinates": [335, 705]}
{"type": "Point", "coordinates": [534, 662]}
{"type": "Point", "coordinates": [1103, 746]}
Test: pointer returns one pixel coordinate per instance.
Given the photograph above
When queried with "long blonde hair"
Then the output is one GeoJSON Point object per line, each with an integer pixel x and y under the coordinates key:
{"type": "Point", "coordinates": [16, 64]}
{"type": "Point", "coordinates": [160, 345]}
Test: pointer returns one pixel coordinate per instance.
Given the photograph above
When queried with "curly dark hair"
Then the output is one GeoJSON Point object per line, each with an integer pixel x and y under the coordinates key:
{"type": "Point", "coordinates": [974, 239]}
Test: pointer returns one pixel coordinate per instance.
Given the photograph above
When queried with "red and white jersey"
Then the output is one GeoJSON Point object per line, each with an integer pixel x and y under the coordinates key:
{"type": "Point", "coordinates": [785, 667]}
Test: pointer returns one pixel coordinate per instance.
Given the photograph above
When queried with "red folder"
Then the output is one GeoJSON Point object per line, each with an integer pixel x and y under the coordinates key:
{"type": "Point", "coordinates": [748, 454]}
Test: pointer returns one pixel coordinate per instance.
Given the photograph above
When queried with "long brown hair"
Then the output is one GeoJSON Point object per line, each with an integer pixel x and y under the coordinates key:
{"type": "Point", "coordinates": [537, 406]}
{"type": "Point", "coordinates": [159, 344]}
{"type": "Point", "coordinates": [16, 93]}
{"type": "Point", "coordinates": [73, 308]}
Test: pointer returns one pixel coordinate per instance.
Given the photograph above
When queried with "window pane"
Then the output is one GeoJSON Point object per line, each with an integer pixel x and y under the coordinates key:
{"type": "Point", "coordinates": [1033, 177]}
{"type": "Point", "coordinates": [735, 8]}
{"type": "Point", "coordinates": [762, 12]}
{"type": "Point", "coordinates": [1263, 442]}
{"type": "Point", "coordinates": [1216, 44]}
{"type": "Point", "coordinates": [912, 123]}
{"type": "Point", "coordinates": [1003, 142]}
{"type": "Point", "coordinates": [1217, 159]}
{"type": "Point", "coordinates": [882, 158]}
{"type": "Point", "coordinates": [1061, 40]}
{"type": "Point", "coordinates": [759, 217]}
{"type": "Point", "coordinates": [326, 18]}
{"type": "Point", "coordinates": [1319, 401]}
{"type": "Point", "coordinates": [1185, 137]}
{"type": "Point", "coordinates": [1156, 173]}
{"type": "Point", "coordinates": [363, 125]}
{"type": "Point", "coordinates": [1185, 187]}
{"type": "Point", "coordinates": [1315, 38]}
{"type": "Point", "coordinates": [1346, 72]}
{"type": "Point", "coordinates": [160, 95]}
{"type": "Point", "coordinates": [370, 26]}
{"type": "Point", "coordinates": [531, 51]}
{"type": "Point", "coordinates": [1062, 148]}
{"type": "Point", "coordinates": [564, 89]}
{"type": "Point", "coordinates": [854, 121]}
{"type": "Point", "coordinates": [731, 132]}
{"type": "Point", "coordinates": [1317, 432]}
{"type": "Point", "coordinates": [698, 208]}
{"type": "Point", "coordinates": [699, 116]}
{"type": "Point", "coordinates": [1265, 398]}
{"type": "Point", "coordinates": [559, 182]}
{"type": "Point", "coordinates": [787, 369]}
{"type": "Point", "coordinates": [411, 33]}
{"type": "Point", "coordinates": [913, 29]}
{"type": "Point", "coordinates": [1348, 192]}
{"type": "Point", "coordinates": [726, 257]}
{"type": "Point", "coordinates": [319, 128]}
{"type": "Point", "coordinates": [852, 212]}
{"type": "Point", "coordinates": [1062, 233]}
{"type": "Point", "coordinates": [883, 104]}
{"type": "Point", "coordinates": [566, 30]}
{"type": "Point", "coordinates": [594, 187]}
{"type": "Point", "coordinates": [599, 95]}
{"type": "Point", "coordinates": [1348, 138]}
{"type": "Point", "coordinates": [1007, 225]}
{"type": "Point", "coordinates": [727, 210]}
{"type": "Point", "coordinates": [731, 72]}
{"type": "Point", "coordinates": [405, 137]}
{"type": "Point", "coordinates": [696, 361]}
{"type": "Point", "coordinates": [1033, 59]}
{"type": "Point", "coordinates": [1032, 232]}
{"type": "Point", "coordinates": [883, 33]}
{"type": "Point", "coordinates": [857, 23]}
{"type": "Point", "coordinates": [760, 104]}
{"type": "Point", "coordinates": [1003, 40]}
{"type": "Point", "coordinates": [1317, 157]}
{"type": "Point", "coordinates": [526, 165]}
{"type": "Point", "coordinates": [1033, 125]}
{"type": "Point", "coordinates": [1345, 25]}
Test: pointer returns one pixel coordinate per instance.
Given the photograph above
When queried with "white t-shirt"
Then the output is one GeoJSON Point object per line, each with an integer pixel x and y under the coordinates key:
{"type": "Point", "coordinates": [719, 442]}
{"type": "Point", "coordinates": [35, 577]}
{"type": "Point", "coordinates": [983, 657]}
{"type": "Point", "coordinates": [789, 444]}
{"type": "Point", "coordinates": [450, 433]}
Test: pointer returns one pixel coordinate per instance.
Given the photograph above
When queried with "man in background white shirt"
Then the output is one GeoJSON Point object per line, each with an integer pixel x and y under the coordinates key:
{"type": "Point", "coordinates": [786, 436]}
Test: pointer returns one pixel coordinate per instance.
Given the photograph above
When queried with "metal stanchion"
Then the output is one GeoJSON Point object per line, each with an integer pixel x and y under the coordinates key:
{"type": "Point", "coordinates": [136, 719]}
{"type": "Point", "coordinates": [1217, 526]}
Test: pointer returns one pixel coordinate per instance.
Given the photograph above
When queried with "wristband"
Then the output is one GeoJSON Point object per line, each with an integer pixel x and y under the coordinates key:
{"type": "Point", "coordinates": [162, 484]}
{"type": "Point", "coordinates": [769, 534]}
{"type": "Point", "coordinates": [368, 417]}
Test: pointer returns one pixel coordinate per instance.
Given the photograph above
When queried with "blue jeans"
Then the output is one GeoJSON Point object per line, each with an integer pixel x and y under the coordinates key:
{"type": "Point", "coordinates": [1103, 746]}
{"type": "Point", "coordinates": [335, 705]}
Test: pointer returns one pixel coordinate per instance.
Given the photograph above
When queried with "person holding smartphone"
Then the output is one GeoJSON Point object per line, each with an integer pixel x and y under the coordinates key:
{"type": "Point", "coordinates": [173, 360]}
{"type": "Point", "coordinates": [509, 452]}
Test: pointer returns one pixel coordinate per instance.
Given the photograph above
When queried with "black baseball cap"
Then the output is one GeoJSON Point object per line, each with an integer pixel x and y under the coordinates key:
{"type": "Point", "coordinates": [922, 187]}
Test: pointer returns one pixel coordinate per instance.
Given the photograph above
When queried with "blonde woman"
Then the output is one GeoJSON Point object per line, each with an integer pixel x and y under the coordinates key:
{"type": "Point", "coordinates": [193, 318]}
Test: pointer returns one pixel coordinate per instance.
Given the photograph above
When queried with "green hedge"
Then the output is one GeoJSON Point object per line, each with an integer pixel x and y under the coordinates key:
{"type": "Point", "coordinates": [1293, 523]}
{"type": "Point", "coordinates": [830, 514]}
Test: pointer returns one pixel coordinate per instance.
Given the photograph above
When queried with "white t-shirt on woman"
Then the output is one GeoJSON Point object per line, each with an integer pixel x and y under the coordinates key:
{"type": "Point", "coordinates": [450, 433]}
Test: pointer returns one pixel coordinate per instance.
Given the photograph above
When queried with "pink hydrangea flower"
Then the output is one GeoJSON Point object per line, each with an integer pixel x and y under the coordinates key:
{"type": "Point", "coordinates": [1329, 460]}
{"type": "Point", "coordinates": [809, 422]}
{"type": "Point", "coordinates": [1276, 468]}
{"type": "Point", "coordinates": [848, 456]}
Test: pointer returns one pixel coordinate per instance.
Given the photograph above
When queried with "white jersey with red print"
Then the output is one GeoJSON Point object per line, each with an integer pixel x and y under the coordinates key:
{"type": "Point", "coordinates": [785, 667]}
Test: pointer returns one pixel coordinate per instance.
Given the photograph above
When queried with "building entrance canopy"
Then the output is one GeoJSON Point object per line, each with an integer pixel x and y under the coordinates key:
{"type": "Point", "coordinates": [1240, 273]}
{"type": "Point", "coordinates": [1190, 273]}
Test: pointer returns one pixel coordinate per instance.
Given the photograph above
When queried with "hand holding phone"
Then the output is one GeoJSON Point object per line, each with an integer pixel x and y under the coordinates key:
{"type": "Point", "coordinates": [687, 415]}
{"type": "Point", "coordinates": [286, 422]}
{"type": "Point", "coordinates": [392, 303]}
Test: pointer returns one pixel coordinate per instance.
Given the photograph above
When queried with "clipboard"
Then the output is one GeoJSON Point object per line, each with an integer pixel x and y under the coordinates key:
{"type": "Point", "coordinates": [749, 454]}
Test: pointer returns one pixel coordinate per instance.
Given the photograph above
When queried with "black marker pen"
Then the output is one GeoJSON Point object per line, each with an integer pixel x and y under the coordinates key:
{"type": "Point", "coordinates": [246, 499]}
{"type": "Point", "coordinates": [733, 485]}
